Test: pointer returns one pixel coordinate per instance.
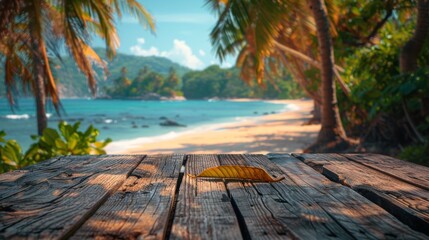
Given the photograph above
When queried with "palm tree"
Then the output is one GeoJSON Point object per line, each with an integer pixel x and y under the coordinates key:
{"type": "Point", "coordinates": [332, 128]}
{"type": "Point", "coordinates": [410, 53]}
{"type": "Point", "coordinates": [34, 30]}
{"type": "Point", "coordinates": [255, 30]}
{"type": "Point", "coordinates": [288, 44]}
{"type": "Point", "coordinates": [412, 48]}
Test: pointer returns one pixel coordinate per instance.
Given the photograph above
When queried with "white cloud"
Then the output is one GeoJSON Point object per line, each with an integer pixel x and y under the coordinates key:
{"type": "Point", "coordinates": [140, 40]}
{"type": "Point", "coordinates": [180, 53]}
{"type": "Point", "coordinates": [201, 52]}
{"type": "Point", "coordinates": [140, 51]}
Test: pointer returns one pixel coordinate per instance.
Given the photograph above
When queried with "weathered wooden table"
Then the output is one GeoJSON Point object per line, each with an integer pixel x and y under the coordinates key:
{"type": "Point", "coordinates": [323, 196]}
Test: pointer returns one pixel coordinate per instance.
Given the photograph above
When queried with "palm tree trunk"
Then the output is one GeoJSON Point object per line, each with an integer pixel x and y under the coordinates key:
{"type": "Point", "coordinates": [411, 50]}
{"type": "Point", "coordinates": [410, 53]}
{"type": "Point", "coordinates": [39, 92]}
{"type": "Point", "coordinates": [317, 112]}
{"type": "Point", "coordinates": [38, 68]}
{"type": "Point", "coordinates": [332, 128]}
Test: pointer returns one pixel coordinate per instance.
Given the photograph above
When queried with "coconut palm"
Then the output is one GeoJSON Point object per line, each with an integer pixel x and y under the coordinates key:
{"type": "Point", "coordinates": [332, 128]}
{"type": "Point", "coordinates": [410, 53]}
{"type": "Point", "coordinates": [412, 48]}
{"type": "Point", "coordinates": [292, 39]}
{"type": "Point", "coordinates": [33, 31]}
{"type": "Point", "coordinates": [253, 29]}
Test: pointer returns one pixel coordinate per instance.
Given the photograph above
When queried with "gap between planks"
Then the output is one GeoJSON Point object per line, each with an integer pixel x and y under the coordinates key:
{"type": "Point", "coordinates": [203, 209]}
{"type": "Point", "coordinates": [143, 205]}
{"type": "Point", "coordinates": [172, 211]}
{"type": "Point", "coordinates": [240, 218]}
{"type": "Point", "coordinates": [402, 170]}
{"type": "Point", "coordinates": [406, 201]}
{"type": "Point", "coordinates": [56, 197]}
{"type": "Point", "coordinates": [91, 212]}
{"type": "Point", "coordinates": [355, 213]}
{"type": "Point", "coordinates": [279, 210]}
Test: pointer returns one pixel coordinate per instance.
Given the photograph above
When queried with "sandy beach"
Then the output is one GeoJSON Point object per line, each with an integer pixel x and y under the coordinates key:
{"type": "Point", "coordinates": [282, 132]}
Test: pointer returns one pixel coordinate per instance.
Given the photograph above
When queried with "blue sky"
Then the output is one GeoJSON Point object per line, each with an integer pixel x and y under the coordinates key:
{"type": "Point", "coordinates": [182, 33]}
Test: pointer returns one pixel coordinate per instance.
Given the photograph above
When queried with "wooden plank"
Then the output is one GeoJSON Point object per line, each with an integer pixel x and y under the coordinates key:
{"type": "Point", "coordinates": [203, 210]}
{"type": "Point", "coordinates": [280, 210]}
{"type": "Point", "coordinates": [410, 204]}
{"type": "Point", "coordinates": [13, 176]}
{"type": "Point", "coordinates": [19, 180]}
{"type": "Point", "coordinates": [140, 208]}
{"type": "Point", "coordinates": [55, 199]}
{"type": "Point", "coordinates": [411, 173]}
{"type": "Point", "coordinates": [356, 214]}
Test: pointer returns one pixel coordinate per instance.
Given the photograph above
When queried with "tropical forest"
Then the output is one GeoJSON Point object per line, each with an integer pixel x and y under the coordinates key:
{"type": "Point", "coordinates": [360, 66]}
{"type": "Point", "coordinates": [214, 119]}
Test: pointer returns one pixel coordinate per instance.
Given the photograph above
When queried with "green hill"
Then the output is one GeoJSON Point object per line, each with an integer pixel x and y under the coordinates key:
{"type": "Point", "coordinates": [72, 83]}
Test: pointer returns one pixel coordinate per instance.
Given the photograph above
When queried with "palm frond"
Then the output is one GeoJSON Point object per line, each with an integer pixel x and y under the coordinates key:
{"type": "Point", "coordinates": [254, 25]}
{"type": "Point", "coordinates": [135, 9]}
{"type": "Point", "coordinates": [54, 25]}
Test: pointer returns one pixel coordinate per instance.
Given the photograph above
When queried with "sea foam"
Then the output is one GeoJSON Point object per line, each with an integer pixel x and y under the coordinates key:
{"type": "Point", "coordinates": [17, 116]}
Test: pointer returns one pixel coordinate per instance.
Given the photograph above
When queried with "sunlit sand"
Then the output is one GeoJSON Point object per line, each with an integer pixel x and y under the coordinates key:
{"type": "Point", "coordinates": [283, 132]}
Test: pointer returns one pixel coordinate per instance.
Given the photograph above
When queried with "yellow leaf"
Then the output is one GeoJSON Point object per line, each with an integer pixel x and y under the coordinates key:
{"type": "Point", "coordinates": [237, 172]}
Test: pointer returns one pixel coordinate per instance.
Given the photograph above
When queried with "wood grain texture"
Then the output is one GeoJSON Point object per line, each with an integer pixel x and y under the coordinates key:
{"type": "Point", "coordinates": [140, 208]}
{"type": "Point", "coordinates": [133, 197]}
{"type": "Point", "coordinates": [411, 173]}
{"type": "Point", "coordinates": [52, 199]}
{"type": "Point", "coordinates": [280, 210]}
{"type": "Point", "coordinates": [203, 210]}
{"type": "Point", "coordinates": [19, 180]}
{"type": "Point", "coordinates": [359, 216]}
{"type": "Point", "coordinates": [407, 202]}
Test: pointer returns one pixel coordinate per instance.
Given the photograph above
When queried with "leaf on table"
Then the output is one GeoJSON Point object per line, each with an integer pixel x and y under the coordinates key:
{"type": "Point", "coordinates": [237, 172]}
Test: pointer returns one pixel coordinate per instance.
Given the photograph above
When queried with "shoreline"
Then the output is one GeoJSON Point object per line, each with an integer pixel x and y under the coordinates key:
{"type": "Point", "coordinates": [116, 147]}
{"type": "Point", "coordinates": [280, 132]}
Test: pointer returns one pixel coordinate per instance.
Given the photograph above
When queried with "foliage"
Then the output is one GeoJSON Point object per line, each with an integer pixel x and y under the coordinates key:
{"type": "Point", "coordinates": [367, 36]}
{"type": "Point", "coordinates": [11, 156]}
{"type": "Point", "coordinates": [416, 153]}
{"type": "Point", "coordinates": [146, 82]}
{"type": "Point", "coordinates": [352, 18]}
{"type": "Point", "coordinates": [204, 84]}
{"type": "Point", "coordinates": [74, 83]}
{"type": "Point", "coordinates": [377, 83]}
{"type": "Point", "coordinates": [374, 73]}
{"type": "Point", "coordinates": [267, 37]}
{"type": "Point", "coordinates": [393, 107]}
{"type": "Point", "coordinates": [252, 29]}
{"type": "Point", "coordinates": [208, 83]}
{"type": "Point", "coordinates": [33, 32]}
{"type": "Point", "coordinates": [225, 83]}
{"type": "Point", "coordinates": [67, 140]}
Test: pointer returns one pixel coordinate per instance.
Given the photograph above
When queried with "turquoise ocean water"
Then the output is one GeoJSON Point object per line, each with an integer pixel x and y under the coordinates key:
{"type": "Point", "coordinates": [131, 119]}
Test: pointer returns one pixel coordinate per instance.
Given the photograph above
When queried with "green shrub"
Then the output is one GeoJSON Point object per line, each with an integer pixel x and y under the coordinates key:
{"type": "Point", "coordinates": [416, 153]}
{"type": "Point", "coordinates": [67, 140]}
{"type": "Point", "coordinates": [11, 156]}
